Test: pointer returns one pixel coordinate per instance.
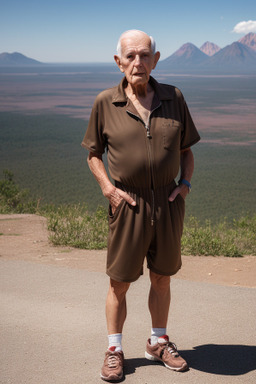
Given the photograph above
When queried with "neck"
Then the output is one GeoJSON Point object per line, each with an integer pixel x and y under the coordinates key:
{"type": "Point", "coordinates": [140, 91]}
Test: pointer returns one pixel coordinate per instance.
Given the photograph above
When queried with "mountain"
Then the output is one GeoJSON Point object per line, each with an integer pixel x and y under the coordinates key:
{"type": "Point", "coordinates": [16, 59]}
{"type": "Point", "coordinates": [187, 57]}
{"type": "Point", "coordinates": [249, 40]}
{"type": "Point", "coordinates": [236, 57]}
{"type": "Point", "coordinates": [210, 48]}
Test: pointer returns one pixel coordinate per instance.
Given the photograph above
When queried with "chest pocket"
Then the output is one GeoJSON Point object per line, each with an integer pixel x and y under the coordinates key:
{"type": "Point", "coordinates": [171, 133]}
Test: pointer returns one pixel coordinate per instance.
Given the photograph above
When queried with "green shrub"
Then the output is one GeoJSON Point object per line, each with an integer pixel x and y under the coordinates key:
{"type": "Point", "coordinates": [12, 198]}
{"type": "Point", "coordinates": [221, 239]}
{"type": "Point", "coordinates": [74, 226]}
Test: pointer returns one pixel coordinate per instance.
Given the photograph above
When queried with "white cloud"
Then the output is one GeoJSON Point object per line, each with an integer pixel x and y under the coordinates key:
{"type": "Point", "coordinates": [245, 26]}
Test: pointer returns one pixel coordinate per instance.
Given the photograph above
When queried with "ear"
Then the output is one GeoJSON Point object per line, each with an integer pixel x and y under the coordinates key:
{"type": "Point", "coordinates": [156, 58]}
{"type": "Point", "coordinates": [118, 61]}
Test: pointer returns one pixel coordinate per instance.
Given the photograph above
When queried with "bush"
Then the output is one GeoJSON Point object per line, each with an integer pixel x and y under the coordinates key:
{"type": "Point", "coordinates": [12, 198]}
{"type": "Point", "coordinates": [221, 239]}
{"type": "Point", "coordinates": [74, 226]}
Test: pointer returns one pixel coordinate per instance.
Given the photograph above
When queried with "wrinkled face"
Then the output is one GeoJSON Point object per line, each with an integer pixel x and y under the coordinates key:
{"type": "Point", "coordinates": [137, 59]}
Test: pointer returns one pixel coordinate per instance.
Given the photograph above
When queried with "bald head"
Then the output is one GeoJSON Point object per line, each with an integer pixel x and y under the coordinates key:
{"type": "Point", "coordinates": [133, 33]}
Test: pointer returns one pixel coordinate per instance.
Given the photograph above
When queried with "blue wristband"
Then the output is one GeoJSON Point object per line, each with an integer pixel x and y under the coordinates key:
{"type": "Point", "coordinates": [187, 183]}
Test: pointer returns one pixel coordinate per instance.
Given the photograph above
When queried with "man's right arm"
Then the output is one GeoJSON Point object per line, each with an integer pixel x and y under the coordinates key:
{"type": "Point", "coordinates": [113, 194]}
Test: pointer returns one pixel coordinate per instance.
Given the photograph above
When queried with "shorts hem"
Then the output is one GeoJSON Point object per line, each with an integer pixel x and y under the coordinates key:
{"type": "Point", "coordinates": [122, 280]}
{"type": "Point", "coordinates": [172, 273]}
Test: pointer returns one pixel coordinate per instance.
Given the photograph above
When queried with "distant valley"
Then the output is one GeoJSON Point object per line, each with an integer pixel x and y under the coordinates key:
{"type": "Point", "coordinates": [236, 58]}
{"type": "Point", "coordinates": [44, 111]}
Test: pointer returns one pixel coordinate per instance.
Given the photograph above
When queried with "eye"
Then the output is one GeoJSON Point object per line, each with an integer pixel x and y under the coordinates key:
{"type": "Point", "coordinates": [129, 56]}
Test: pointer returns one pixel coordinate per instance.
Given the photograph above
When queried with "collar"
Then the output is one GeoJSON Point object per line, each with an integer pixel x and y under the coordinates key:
{"type": "Point", "coordinates": [162, 92]}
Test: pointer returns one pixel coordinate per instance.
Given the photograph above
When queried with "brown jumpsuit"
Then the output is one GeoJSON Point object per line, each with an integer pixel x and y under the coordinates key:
{"type": "Point", "coordinates": [143, 160]}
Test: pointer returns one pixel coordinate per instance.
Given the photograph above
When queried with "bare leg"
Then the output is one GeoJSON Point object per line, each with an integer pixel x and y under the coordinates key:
{"type": "Point", "coordinates": [159, 299]}
{"type": "Point", "coordinates": [116, 306]}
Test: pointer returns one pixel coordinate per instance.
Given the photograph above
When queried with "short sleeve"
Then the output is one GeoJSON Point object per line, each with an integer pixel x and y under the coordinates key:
{"type": "Point", "coordinates": [190, 135]}
{"type": "Point", "coordinates": [94, 139]}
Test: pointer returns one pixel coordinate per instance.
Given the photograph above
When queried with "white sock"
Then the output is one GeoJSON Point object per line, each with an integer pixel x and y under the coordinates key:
{"type": "Point", "coordinates": [115, 340]}
{"type": "Point", "coordinates": [156, 333]}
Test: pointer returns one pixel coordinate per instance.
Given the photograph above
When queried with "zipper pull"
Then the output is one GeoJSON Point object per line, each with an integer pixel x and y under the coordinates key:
{"type": "Point", "coordinates": [148, 132]}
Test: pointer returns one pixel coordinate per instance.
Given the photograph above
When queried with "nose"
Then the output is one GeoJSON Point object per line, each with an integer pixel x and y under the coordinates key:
{"type": "Point", "coordinates": [137, 60]}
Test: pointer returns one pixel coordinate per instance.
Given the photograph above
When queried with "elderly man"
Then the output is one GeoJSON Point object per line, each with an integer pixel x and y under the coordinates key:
{"type": "Point", "coordinates": [148, 131]}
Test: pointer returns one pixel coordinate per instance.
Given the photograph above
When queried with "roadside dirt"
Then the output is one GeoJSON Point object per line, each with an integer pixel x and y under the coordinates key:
{"type": "Point", "coordinates": [25, 237]}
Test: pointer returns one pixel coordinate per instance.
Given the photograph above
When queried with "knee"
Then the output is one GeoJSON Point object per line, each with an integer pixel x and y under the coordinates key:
{"type": "Point", "coordinates": [118, 289]}
{"type": "Point", "coordinates": [160, 283]}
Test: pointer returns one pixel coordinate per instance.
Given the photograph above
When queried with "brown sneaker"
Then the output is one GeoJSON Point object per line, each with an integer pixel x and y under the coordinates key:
{"type": "Point", "coordinates": [166, 352]}
{"type": "Point", "coordinates": [112, 369]}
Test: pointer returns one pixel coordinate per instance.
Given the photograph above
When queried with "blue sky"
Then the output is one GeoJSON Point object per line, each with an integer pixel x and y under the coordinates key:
{"type": "Point", "coordinates": [87, 31]}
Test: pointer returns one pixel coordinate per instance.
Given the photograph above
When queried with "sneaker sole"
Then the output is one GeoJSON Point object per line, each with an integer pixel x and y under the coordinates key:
{"type": "Point", "coordinates": [154, 358]}
{"type": "Point", "coordinates": [112, 379]}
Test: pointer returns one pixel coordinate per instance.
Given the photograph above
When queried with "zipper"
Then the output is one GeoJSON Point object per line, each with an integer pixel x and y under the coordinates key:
{"type": "Point", "coordinates": [149, 137]}
{"type": "Point", "coordinates": [148, 131]}
{"type": "Point", "coordinates": [152, 208]}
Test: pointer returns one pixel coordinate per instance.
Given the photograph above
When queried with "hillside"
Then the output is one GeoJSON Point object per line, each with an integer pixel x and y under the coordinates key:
{"type": "Point", "coordinates": [187, 57]}
{"type": "Point", "coordinates": [16, 59]}
{"type": "Point", "coordinates": [25, 237]}
{"type": "Point", "coordinates": [210, 48]}
{"type": "Point", "coordinates": [249, 40]}
{"type": "Point", "coordinates": [236, 58]}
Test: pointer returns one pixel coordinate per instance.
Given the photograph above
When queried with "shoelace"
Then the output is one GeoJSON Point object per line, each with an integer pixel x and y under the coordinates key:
{"type": "Point", "coordinates": [171, 348]}
{"type": "Point", "coordinates": [113, 361]}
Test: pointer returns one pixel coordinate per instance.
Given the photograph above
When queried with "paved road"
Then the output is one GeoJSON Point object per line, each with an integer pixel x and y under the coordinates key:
{"type": "Point", "coordinates": [53, 329]}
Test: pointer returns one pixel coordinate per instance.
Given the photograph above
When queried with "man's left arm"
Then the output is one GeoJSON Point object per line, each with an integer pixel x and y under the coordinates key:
{"type": "Point", "coordinates": [186, 172]}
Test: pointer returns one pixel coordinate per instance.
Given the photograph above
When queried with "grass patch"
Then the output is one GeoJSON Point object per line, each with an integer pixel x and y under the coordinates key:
{"type": "Point", "coordinates": [222, 239]}
{"type": "Point", "coordinates": [74, 226]}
